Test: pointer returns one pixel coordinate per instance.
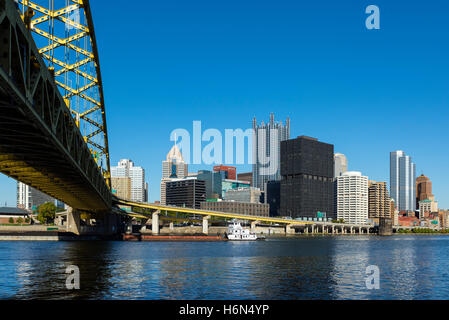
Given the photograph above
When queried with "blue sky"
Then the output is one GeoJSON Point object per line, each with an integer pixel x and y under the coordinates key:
{"type": "Point", "coordinates": [167, 63]}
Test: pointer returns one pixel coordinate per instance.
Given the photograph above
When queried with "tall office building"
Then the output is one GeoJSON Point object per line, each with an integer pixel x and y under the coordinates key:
{"type": "Point", "coordinates": [29, 198]}
{"type": "Point", "coordinates": [245, 195]}
{"type": "Point", "coordinates": [246, 176]}
{"type": "Point", "coordinates": [402, 181]}
{"type": "Point", "coordinates": [267, 151]}
{"type": "Point", "coordinates": [227, 172]}
{"type": "Point", "coordinates": [121, 187]}
{"type": "Point", "coordinates": [188, 192]}
{"type": "Point", "coordinates": [352, 197]}
{"type": "Point", "coordinates": [340, 163]}
{"type": "Point", "coordinates": [379, 201]}
{"type": "Point", "coordinates": [273, 197]}
{"type": "Point", "coordinates": [127, 169]}
{"type": "Point", "coordinates": [423, 189]}
{"type": "Point", "coordinates": [174, 167]}
{"type": "Point", "coordinates": [213, 182]}
{"type": "Point", "coordinates": [307, 168]}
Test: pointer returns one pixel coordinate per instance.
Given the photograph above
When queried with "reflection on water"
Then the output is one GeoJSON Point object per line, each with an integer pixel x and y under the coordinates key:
{"type": "Point", "coordinates": [411, 267]}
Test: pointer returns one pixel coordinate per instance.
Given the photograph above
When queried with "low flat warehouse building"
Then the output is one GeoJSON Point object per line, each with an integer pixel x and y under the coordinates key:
{"type": "Point", "coordinates": [6, 214]}
{"type": "Point", "coordinates": [251, 209]}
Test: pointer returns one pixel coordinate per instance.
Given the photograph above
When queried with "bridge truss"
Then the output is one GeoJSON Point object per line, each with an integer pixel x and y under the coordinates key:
{"type": "Point", "coordinates": [41, 143]}
{"type": "Point", "coordinates": [64, 34]}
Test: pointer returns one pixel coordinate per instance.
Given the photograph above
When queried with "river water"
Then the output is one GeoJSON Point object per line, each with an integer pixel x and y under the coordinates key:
{"type": "Point", "coordinates": [303, 267]}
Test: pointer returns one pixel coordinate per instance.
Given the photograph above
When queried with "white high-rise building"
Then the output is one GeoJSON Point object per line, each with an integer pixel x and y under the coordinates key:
{"type": "Point", "coordinates": [352, 197]}
{"type": "Point", "coordinates": [340, 164]}
{"type": "Point", "coordinates": [174, 167]}
{"type": "Point", "coordinates": [267, 151]}
{"type": "Point", "coordinates": [403, 181]}
{"type": "Point", "coordinates": [29, 198]}
{"type": "Point", "coordinates": [126, 168]}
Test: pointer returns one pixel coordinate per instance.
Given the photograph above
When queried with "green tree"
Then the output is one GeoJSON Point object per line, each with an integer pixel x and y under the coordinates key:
{"type": "Point", "coordinates": [46, 213]}
{"type": "Point", "coordinates": [11, 220]}
{"type": "Point", "coordinates": [19, 220]}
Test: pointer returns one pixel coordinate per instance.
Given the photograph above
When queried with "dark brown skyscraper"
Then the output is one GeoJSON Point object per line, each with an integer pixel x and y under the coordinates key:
{"type": "Point", "coordinates": [423, 189]}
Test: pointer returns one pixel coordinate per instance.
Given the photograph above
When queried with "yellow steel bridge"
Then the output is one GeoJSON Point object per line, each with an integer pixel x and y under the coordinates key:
{"type": "Point", "coordinates": [53, 132]}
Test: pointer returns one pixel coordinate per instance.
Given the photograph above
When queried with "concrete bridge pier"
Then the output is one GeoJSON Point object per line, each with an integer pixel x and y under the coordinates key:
{"type": "Point", "coordinates": [306, 229]}
{"type": "Point", "coordinates": [289, 229]}
{"type": "Point", "coordinates": [155, 222]}
{"type": "Point", "coordinates": [73, 221]}
{"type": "Point", "coordinates": [253, 225]}
{"type": "Point", "coordinates": [112, 224]}
{"type": "Point", "coordinates": [206, 224]}
{"type": "Point", "coordinates": [333, 229]}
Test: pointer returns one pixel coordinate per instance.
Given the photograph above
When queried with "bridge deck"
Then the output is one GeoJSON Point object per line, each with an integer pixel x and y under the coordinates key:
{"type": "Point", "coordinates": [162, 209]}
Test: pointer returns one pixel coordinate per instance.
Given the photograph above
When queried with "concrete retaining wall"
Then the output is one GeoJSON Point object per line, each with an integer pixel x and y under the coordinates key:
{"type": "Point", "coordinates": [26, 228]}
{"type": "Point", "coordinates": [28, 238]}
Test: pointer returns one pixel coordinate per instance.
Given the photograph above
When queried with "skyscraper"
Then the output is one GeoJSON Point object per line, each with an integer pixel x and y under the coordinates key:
{"type": "Point", "coordinates": [352, 197]}
{"type": "Point", "coordinates": [29, 198]}
{"type": "Point", "coordinates": [423, 189]}
{"type": "Point", "coordinates": [267, 151]}
{"type": "Point", "coordinates": [227, 172]}
{"type": "Point", "coordinates": [126, 169]}
{"type": "Point", "coordinates": [188, 192]}
{"type": "Point", "coordinates": [213, 181]}
{"type": "Point", "coordinates": [402, 181]}
{"type": "Point", "coordinates": [340, 163]}
{"type": "Point", "coordinates": [121, 187]}
{"type": "Point", "coordinates": [307, 186]}
{"type": "Point", "coordinates": [174, 167]}
{"type": "Point", "coordinates": [379, 200]}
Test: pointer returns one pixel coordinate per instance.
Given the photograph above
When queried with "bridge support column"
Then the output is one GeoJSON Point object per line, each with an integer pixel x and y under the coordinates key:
{"type": "Point", "coordinates": [289, 229]}
{"type": "Point", "coordinates": [333, 229]}
{"type": "Point", "coordinates": [323, 228]}
{"type": "Point", "coordinates": [73, 221]}
{"type": "Point", "coordinates": [171, 226]}
{"type": "Point", "coordinates": [155, 222]}
{"type": "Point", "coordinates": [313, 229]}
{"type": "Point", "coordinates": [306, 229]}
{"type": "Point", "coordinates": [253, 225]}
{"type": "Point", "coordinates": [206, 224]}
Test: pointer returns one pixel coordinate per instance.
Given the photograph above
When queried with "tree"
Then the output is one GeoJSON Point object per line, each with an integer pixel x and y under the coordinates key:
{"type": "Point", "coordinates": [46, 213]}
{"type": "Point", "coordinates": [19, 220]}
{"type": "Point", "coordinates": [11, 220]}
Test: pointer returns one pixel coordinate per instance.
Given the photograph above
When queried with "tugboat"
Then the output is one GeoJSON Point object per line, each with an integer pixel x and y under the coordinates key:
{"type": "Point", "coordinates": [237, 233]}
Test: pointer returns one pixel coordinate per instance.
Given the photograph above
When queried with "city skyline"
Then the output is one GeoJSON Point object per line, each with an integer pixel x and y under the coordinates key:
{"type": "Point", "coordinates": [247, 168]}
{"type": "Point", "coordinates": [337, 81]}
